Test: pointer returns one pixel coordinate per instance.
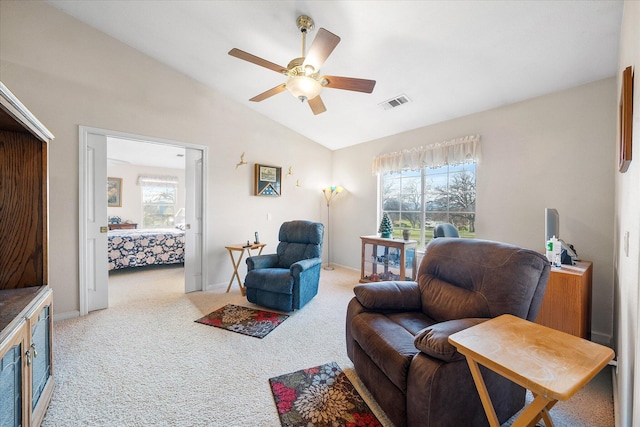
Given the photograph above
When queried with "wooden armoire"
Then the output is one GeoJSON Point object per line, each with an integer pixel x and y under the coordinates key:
{"type": "Point", "coordinates": [26, 335]}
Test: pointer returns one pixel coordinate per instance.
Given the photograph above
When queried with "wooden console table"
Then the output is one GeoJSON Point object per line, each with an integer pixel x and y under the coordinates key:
{"type": "Point", "coordinates": [387, 259]}
{"type": "Point", "coordinates": [241, 248]}
{"type": "Point", "coordinates": [552, 364]}
{"type": "Point", "coordinates": [566, 305]}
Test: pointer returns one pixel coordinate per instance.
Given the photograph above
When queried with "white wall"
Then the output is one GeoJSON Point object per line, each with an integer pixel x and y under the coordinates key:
{"type": "Point", "coordinates": [552, 151]}
{"type": "Point", "coordinates": [69, 74]}
{"type": "Point", "coordinates": [627, 211]}
{"type": "Point", "coordinates": [131, 209]}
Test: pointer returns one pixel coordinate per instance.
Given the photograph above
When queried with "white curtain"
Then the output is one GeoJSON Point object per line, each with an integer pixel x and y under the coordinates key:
{"type": "Point", "coordinates": [453, 152]}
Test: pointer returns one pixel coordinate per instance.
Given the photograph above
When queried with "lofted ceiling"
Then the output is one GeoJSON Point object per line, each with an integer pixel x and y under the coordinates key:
{"type": "Point", "coordinates": [449, 58]}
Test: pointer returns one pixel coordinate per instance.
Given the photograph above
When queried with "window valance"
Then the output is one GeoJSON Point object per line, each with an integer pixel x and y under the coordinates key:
{"type": "Point", "coordinates": [453, 152]}
{"type": "Point", "coordinates": [157, 180]}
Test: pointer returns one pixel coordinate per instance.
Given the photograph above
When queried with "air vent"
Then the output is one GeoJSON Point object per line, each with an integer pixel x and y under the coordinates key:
{"type": "Point", "coordinates": [395, 102]}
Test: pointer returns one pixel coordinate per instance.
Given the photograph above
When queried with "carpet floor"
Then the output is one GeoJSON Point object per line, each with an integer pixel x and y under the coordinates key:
{"type": "Point", "coordinates": [145, 362]}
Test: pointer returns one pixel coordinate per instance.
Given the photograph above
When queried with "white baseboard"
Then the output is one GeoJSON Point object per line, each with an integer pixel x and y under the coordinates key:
{"type": "Point", "coordinates": [333, 264]}
{"type": "Point", "coordinates": [616, 402]}
{"type": "Point", "coordinates": [64, 316]}
{"type": "Point", "coordinates": [215, 286]}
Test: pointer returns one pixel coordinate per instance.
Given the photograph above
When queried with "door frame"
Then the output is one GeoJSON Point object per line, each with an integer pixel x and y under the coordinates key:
{"type": "Point", "coordinates": [83, 131]}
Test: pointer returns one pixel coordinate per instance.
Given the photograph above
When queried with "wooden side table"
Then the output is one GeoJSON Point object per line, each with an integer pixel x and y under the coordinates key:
{"type": "Point", "coordinates": [567, 301]}
{"type": "Point", "coordinates": [554, 365]}
{"type": "Point", "coordinates": [241, 248]}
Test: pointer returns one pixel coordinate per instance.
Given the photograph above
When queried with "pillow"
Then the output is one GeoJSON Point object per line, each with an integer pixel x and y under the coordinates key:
{"type": "Point", "coordinates": [434, 340]}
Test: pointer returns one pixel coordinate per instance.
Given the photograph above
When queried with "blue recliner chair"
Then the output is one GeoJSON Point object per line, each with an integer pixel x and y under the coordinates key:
{"type": "Point", "coordinates": [288, 279]}
{"type": "Point", "coordinates": [445, 229]}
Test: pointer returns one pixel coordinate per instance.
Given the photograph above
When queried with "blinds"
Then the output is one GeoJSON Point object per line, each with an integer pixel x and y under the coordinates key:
{"type": "Point", "coordinates": [453, 152]}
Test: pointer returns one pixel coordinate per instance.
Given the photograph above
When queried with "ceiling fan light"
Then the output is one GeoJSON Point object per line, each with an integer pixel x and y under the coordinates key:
{"type": "Point", "coordinates": [303, 87]}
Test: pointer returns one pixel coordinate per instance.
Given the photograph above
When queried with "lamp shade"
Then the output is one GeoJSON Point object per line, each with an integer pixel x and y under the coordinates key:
{"type": "Point", "coordinates": [303, 87]}
{"type": "Point", "coordinates": [333, 189]}
{"type": "Point", "coordinates": [330, 192]}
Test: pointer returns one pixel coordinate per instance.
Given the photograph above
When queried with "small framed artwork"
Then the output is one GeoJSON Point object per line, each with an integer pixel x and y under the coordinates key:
{"type": "Point", "coordinates": [114, 192]}
{"type": "Point", "coordinates": [626, 117]}
{"type": "Point", "coordinates": [268, 180]}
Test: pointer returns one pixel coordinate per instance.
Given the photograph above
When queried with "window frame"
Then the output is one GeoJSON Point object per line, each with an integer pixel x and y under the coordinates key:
{"type": "Point", "coordinates": [168, 182]}
{"type": "Point", "coordinates": [424, 195]}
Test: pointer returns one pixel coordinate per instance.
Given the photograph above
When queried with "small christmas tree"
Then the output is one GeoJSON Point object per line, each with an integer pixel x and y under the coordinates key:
{"type": "Point", "coordinates": [386, 226]}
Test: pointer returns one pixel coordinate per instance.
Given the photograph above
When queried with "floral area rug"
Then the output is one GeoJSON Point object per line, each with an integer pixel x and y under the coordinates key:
{"type": "Point", "coordinates": [244, 320]}
{"type": "Point", "coordinates": [320, 396]}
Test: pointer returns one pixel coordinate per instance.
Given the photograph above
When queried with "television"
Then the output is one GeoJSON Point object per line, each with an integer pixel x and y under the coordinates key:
{"type": "Point", "coordinates": [551, 224]}
{"type": "Point", "coordinates": [552, 228]}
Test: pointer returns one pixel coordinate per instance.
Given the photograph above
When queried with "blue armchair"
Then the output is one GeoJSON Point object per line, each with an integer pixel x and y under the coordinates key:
{"type": "Point", "coordinates": [288, 279]}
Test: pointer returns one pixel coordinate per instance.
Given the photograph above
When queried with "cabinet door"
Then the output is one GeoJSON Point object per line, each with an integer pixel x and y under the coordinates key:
{"type": "Point", "coordinates": [40, 358]}
{"type": "Point", "coordinates": [13, 380]}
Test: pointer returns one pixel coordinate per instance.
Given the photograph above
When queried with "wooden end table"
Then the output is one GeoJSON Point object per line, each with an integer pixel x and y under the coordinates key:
{"type": "Point", "coordinates": [554, 365]}
{"type": "Point", "coordinates": [241, 248]}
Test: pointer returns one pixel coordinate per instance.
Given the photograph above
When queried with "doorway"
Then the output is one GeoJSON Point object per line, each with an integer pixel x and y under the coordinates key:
{"type": "Point", "coordinates": [94, 210]}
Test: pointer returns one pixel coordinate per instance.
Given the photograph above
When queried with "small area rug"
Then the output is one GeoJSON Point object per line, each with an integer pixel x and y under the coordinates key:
{"type": "Point", "coordinates": [244, 320]}
{"type": "Point", "coordinates": [320, 396]}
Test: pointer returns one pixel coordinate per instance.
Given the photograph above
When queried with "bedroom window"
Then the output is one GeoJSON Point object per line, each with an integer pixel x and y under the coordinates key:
{"type": "Point", "coordinates": [424, 186]}
{"type": "Point", "coordinates": [159, 195]}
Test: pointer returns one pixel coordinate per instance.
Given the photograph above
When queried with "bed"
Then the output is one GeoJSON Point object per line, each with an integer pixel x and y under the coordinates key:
{"type": "Point", "coordinates": [137, 248]}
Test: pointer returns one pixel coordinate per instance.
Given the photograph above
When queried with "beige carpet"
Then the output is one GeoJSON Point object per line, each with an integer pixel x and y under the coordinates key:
{"type": "Point", "coordinates": [145, 362]}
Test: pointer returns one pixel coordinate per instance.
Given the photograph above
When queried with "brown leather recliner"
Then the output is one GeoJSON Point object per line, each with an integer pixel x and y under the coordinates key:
{"type": "Point", "coordinates": [397, 331]}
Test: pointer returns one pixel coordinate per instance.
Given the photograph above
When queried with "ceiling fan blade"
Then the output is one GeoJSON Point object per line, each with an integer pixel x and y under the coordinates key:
{"type": "Point", "coordinates": [241, 54]}
{"type": "Point", "coordinates": [348, 83]}
{"type": "Point", "coordinates": [317, 106]}
{"type": "Point", "coordinates": [273, 91]}
{"type": "Point", "coordinates": [321, 48]}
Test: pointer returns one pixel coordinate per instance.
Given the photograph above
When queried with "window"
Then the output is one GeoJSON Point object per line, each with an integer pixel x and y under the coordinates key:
{"type": "Point", "coordinates": [423, 186]}
{"type": "Point", "coordinates": [159, 195]}
{"type": "Point", "coordinates": [420, 199]}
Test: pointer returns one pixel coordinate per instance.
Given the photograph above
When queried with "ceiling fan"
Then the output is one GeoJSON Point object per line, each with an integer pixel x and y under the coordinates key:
{"type": "Point", "coordinates": [304, 80]}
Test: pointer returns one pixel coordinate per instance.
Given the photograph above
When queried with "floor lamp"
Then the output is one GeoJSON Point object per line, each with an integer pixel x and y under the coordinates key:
{"type": "Point", "coordinates": [329, 194]}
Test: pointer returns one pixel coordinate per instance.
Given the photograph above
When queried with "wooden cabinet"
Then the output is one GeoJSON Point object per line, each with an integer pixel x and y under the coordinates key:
{"type": "Point", "coordinates": [123, 226]}
{"type": "Point", "coordinates": [387, 259]}
{"type": "Point", "coordinates": [567, 301]}
{"type": "Point", "coordinates": [26, 362]}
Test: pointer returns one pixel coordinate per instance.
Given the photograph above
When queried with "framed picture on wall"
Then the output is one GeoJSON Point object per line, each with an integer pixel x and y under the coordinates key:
{"type": "Point", "coordinates": [626, 118]}
{"type": "Point", "coordinates": [114, 192]}
{"type": "Point", "coordinates": [268, 180]}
